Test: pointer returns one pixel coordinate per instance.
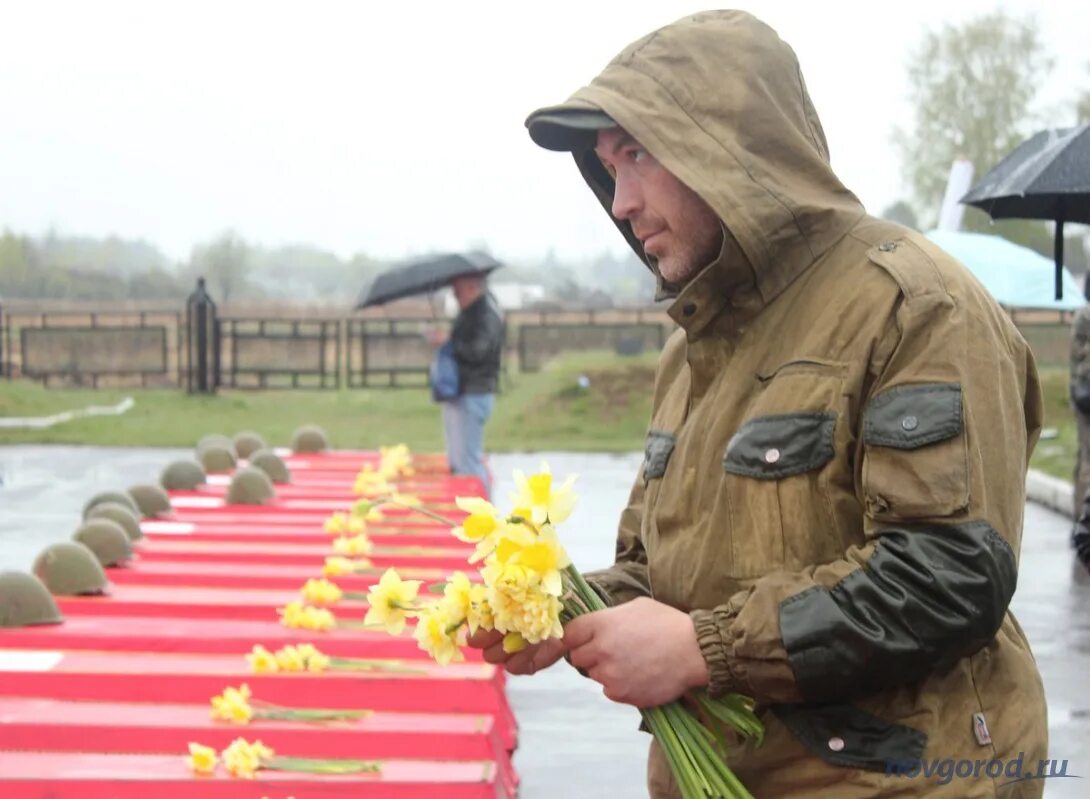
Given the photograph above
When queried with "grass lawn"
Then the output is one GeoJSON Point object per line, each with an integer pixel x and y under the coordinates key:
{"type": "Point", "coordinates": [546, 410]}
{"type": "Point", "coordinates": [1055, 453]}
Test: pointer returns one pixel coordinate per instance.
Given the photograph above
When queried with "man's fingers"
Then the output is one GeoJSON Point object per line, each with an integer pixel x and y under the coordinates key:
{"type": "Point", "coordinates": [580, 630]}
{"type": "Point", "coordinates": [584, 658]}
{"type": "Point", "coordinates": [495, 653]}
{"type": "Point", "coordinates": [483, 639]}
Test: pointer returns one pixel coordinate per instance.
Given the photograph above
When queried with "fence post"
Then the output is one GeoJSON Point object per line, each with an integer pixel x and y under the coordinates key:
{"type": "Point", "coordinates": [202, 342]}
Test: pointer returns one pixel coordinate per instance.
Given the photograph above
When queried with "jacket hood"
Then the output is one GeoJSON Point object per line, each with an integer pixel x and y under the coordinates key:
{"type": "Point", "coordinates": [719, 100]}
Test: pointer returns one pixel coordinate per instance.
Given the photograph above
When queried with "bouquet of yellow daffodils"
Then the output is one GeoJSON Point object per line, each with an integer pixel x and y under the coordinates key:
{"type": "Point", "coordinates": [528, 588]}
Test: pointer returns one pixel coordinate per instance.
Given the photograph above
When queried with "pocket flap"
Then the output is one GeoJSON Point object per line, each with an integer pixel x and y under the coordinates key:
{"type": "Point", "coordinates": [660, 445]}
{"type": "Point", "coordinates": [908, 417]}
{"type": "Point", "coordinates": [772, 447]}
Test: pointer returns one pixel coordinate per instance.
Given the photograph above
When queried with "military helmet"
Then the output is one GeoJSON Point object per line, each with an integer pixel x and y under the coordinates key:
{"type": "Point", "coordinates": [217, 459]}
{"type": "Point", "coordinates": [215, 440]}
{"type": "Point", "coordinates": [250, 486]}
{"type": "Point", "coordinates": [248, 443]}
{"type": "Point", "coordinates": [309, 438]}
{"type": "Point", "coordinates": [107, 539]}
{"type": "Point", "coordinates": [271, 464]}
{"type": "Point", "coordinates": [25, 601]}
{"type": "Point", "coordinates": [70, 569]}
{"type": "Point", "coordinates": [183, 475]}
{"type": "Point", "coordinates": [150, 499]}
{"type": "Point", "coordinates": [110, 496]}
{"type": "Point", "coordinates": [120, 515]}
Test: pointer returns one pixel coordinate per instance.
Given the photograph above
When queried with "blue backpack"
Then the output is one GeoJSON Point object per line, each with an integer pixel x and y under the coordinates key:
{"type": "Point", "coordinates": [444, 374]}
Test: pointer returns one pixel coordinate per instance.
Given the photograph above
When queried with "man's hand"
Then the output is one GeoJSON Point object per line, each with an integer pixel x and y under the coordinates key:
{"type": "Point", "coordinates": [436, 337]}
{"type": "Point", "coordinates": [644, 653]}
{"type": "Point", "coordinates": [530, 660]}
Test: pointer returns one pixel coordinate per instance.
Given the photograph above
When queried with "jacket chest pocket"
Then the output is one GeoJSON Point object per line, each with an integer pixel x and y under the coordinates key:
{"type": "Point", "coordinates": [776, 474]}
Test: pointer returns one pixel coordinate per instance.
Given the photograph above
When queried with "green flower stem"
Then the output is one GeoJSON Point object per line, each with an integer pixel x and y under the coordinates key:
{"type": "Point", "coordinates": [276, 713]}
{"type": "Point", "coordinates": [312, 765]}
{"type": "Point", "coordinates": [418, 508]}
{"type": "Point", "coordinates": [364, 664]}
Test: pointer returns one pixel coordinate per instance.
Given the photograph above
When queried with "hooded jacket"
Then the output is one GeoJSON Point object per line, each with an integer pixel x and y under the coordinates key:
{"type": "Point", "coordinates": [833, 483]}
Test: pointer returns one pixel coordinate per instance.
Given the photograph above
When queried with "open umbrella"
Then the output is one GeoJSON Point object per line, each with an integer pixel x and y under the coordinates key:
{"type": "Point", "coordinates": [1045, 177]}
{"type": "Point", "coordinates": [424, 275]}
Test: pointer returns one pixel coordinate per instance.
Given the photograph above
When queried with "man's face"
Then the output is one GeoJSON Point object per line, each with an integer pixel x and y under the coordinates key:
{"type": "Point", "coordinates": [466, 288]}
{"type": "Point", "coordinates": [673, 223]}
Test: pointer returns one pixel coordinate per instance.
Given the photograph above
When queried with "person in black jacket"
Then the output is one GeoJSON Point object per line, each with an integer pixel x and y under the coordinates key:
{"type": "Point", "coordinates": [477, 341]}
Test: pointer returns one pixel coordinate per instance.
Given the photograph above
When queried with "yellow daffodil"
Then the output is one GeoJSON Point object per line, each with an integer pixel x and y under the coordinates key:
{"type": "Point", "coordinates": [363, 509]}
{"type": "Point", "coordinates": [479, 527]}
{"type": "Point", "coordinates": [546, 556]}
{"type": "Point", "coordinates": [437, 634]}
{"type": "Point", "coordinates": [514, 642]}
{"type": "Point", "coordinates": [458, 595]}
{"type": "Point", "coordinates": [545, 502]}
{"type": "Point", "coordinates": [262, 661]}
{"type": "Point", "coordinates": [391, 600]}
{"type": "Point", "coordinates": [243, 758]}
{"type": "Point", "coordinates": [371, 483]}
{"type": "Point", "coordinates": [345, 524]}
{"type": "Point", "coordinates": [233, 705]}
{"type": "Point", "coordinates": [480, 615]}
{"type": "Point", "coordinates": [352, 546]}
{"type": "Point", "coordinates": [296, 615]}
{"type": "Point", "coordinates": [289, 658]}
{"type": "Point", "coordinates": [321, 592]}
{"type": "Point", "coordinates": [519, 602]}
{"type": "Point", "coordinates": [202, 759]}
{"type": "Point", "coordinates": [340, 566]}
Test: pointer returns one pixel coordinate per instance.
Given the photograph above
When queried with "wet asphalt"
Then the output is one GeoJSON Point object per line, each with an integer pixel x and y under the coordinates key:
{"type": "Point", "coordinates": [573, 741]}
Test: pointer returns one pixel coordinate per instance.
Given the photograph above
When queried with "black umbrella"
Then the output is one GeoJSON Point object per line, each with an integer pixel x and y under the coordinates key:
{"type": "Point", "coordinates": [1045, 177]}
{"type": "Point", "coordinates": [425, 275]}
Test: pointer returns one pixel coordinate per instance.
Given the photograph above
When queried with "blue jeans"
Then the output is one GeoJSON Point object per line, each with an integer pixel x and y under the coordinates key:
{"type": "Point", "coordinates": [463, 428]}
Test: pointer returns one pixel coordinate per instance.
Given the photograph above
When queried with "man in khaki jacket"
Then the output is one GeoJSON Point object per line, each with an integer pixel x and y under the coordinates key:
{"type": "Point", "coordinates": [829, 514]}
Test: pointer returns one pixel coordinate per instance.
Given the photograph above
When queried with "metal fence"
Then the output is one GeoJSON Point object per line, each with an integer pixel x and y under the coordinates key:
{"type": "Point", "coordinates": [290, 349]}
{"type": "Point", "coordinates": [279, 353]}
{"type": "Point", "coordinates": [75, 348]}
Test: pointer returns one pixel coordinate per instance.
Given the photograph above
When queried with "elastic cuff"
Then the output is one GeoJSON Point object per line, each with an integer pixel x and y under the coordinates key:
{"type": "Point", "coordinates": [600, 590]}
{"type": "Point", "coordinates": [713, 648]}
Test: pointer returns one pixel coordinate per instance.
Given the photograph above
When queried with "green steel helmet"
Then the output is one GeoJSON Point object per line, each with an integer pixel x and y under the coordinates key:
{"type": "Point", "coordinates": [271, 464]}
{"type": "Point", "coordinates": [110, 496]}
{"type": "Point", "coordinates": [309, 438]}
{"type": "Point", "coordinates": [119, 515]}
{"type": "Point", "coordinates": [217, 459]}
{"type": "Point", "coordinates": [248, 443]}
{"type": "Point", "coordinates": [150, 499]}
{"type": "Point", "coordinates": [250, 486]}
{"type": "Point", "coordinates": [25, 601]}
{"type": "Point", "coordinates": [106, 539]}
{"type": "Point", "coordinates": [215, 440]}
{"type": "Point", "coordinates": [184, 475]}
{"type": "Point", "coordinates": [70, 569]}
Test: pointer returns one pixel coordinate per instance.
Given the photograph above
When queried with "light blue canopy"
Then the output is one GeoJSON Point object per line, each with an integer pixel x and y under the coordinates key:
{"type": "Point", "coordinates": [1016, 276]}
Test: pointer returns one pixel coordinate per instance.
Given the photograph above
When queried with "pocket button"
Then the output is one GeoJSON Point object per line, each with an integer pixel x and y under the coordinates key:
{"type": "Point", "coordinates": [836, 744]}
{"type": "Point", "coordinates": [772, 455]}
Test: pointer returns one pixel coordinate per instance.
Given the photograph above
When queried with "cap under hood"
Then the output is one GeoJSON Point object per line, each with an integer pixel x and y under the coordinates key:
{"type": "Point", "coordinates": [719, 100]}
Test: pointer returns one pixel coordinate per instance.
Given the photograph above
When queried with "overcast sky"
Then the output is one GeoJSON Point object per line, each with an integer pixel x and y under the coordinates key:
{"type": "Point", "coordinates": [390, 128]}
